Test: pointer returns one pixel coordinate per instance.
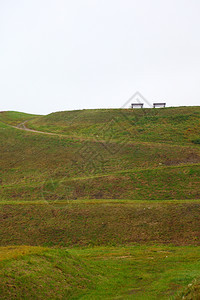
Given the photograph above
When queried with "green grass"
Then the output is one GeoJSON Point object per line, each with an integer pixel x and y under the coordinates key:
{"type": "Point", "coordinates": [96, 223]}
{"type": "Point", "coordinates": [191, 292]}
{"type": "Point", "coordinates": [95, 169]}
{"type": "Point", "coordinates": [171, 125]}
{"type": "Point", "coordinates": [48, 274]}
{"type": "Point", "coordinates": [168, 182]}
{"type": "Point", "coordinates": [122, 183]}
{"type": "Point", "coordinates": [134, 272]}
{"type": "Point", "coordinates": [15, 118]}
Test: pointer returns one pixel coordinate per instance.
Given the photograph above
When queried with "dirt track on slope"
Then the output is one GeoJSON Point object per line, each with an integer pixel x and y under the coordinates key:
{"type": "Point", "coordinates": [22, 126]}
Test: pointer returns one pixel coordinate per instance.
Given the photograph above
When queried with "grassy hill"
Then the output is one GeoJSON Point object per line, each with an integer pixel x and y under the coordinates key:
{"type": "Point", "coordinates": [118, 166]}
{"type": "Point", "coordinates": [179, 125]}
{"type": "Point", "coordinates": [122, 180]}
{"type": "Point", "coordinates": [15, 118]}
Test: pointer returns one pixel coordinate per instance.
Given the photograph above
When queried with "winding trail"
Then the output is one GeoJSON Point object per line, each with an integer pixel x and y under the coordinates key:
{"type": "Point", "coordinates": [22, 126]}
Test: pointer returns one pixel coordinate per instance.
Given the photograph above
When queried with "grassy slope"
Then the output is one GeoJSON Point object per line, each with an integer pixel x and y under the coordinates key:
{"type": "Point", "coordinates": [104, 223]}
{"type": "Point", "coordinates": [154, 272]}
{"type": "Point", "coordinates": [142, 155]}
{"type": "Point", "coordinates": [45, 274]}
{"type": "Point", "coordinates": [172, 125]}
{"type": "Point", "coordinates": [30, 162]}
{"type": "Point", "coordinates": [15, 118]}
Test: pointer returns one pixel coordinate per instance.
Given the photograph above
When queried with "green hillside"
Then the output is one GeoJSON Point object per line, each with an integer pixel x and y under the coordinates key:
{"type": "Point", "coordinates": [178, 125]}
{"type": "Point", "coordinates": [95, 223]}
{"type": "Point", "coordinates": [14, 118]}
{"type": "Point", "coordinates": [84, 166]}
{"type": "Point", "coordinates": [114, 195]}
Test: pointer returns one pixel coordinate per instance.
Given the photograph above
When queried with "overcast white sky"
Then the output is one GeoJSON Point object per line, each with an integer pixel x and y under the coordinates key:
{"type": "Point", "coordinates": [73, 54]}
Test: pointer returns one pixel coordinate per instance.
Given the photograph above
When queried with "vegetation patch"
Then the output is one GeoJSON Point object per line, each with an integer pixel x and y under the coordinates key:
{"type": "Point", "coordinates": [100, 223]}
{"type": "Point", "coordinates": [196, 141]}
{"type": "Point", "coordinates": [67, 231]}
{"type": "Point", "coordinates": [133, 272]}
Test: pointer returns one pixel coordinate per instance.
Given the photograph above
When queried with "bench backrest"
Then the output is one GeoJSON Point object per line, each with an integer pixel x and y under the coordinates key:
{"type": "Point", "coordinates": [159, 104]}
{"type": "Point", "coordinates": [137, 105]}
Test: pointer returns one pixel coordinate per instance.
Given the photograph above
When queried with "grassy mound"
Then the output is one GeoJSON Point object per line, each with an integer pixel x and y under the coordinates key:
{"type": "Point", "coordinates": [98, 273]}
{"type": "Point", "coordinates": [14, 118]}
{"type": "Point", "coordinates": [171, 125]}
{"type": "Point", "coordinates": [68, 190]}
{"type": "Point", "coordinates": [88, 167]}
{"type": "Point", "coordinates": [44, 274]}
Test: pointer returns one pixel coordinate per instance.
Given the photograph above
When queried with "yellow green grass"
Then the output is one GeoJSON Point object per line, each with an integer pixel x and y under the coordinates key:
{"type": "Point", "coordinates": [132, 168]}
{"type": "Point", "coordinates": [14, 118]}
{"type": "Point", "coordinates": [177, 125]}
{"type": "Point", "coordinates": [11, 252]}
{"type": "Point", "coordinates": [134, 272]}
{"type": "Point", "coordinates": [114, 193]}
{"type": "Point", "coordinates": [100, 223]}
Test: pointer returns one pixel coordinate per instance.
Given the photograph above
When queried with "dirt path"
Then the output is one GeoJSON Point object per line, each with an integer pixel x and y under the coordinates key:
{"type": "Point", "coordinates": [22, 126]}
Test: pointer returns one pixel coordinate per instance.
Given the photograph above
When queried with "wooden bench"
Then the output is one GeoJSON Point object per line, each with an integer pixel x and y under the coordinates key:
{"type": "Point", "coordinates": [159, 105]}
{"type": "Point", "coordinates": [137, 105]}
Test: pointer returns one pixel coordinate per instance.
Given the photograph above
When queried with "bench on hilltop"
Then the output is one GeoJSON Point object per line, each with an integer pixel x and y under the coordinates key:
{"type": "Point", "coordinates": [159, 105]}
{"type": "Point", "coordinates": [137, 105]}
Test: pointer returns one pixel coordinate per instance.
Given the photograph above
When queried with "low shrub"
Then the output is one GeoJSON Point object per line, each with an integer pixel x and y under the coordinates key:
{"type": "Point", "coordinates": [196, 141]}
